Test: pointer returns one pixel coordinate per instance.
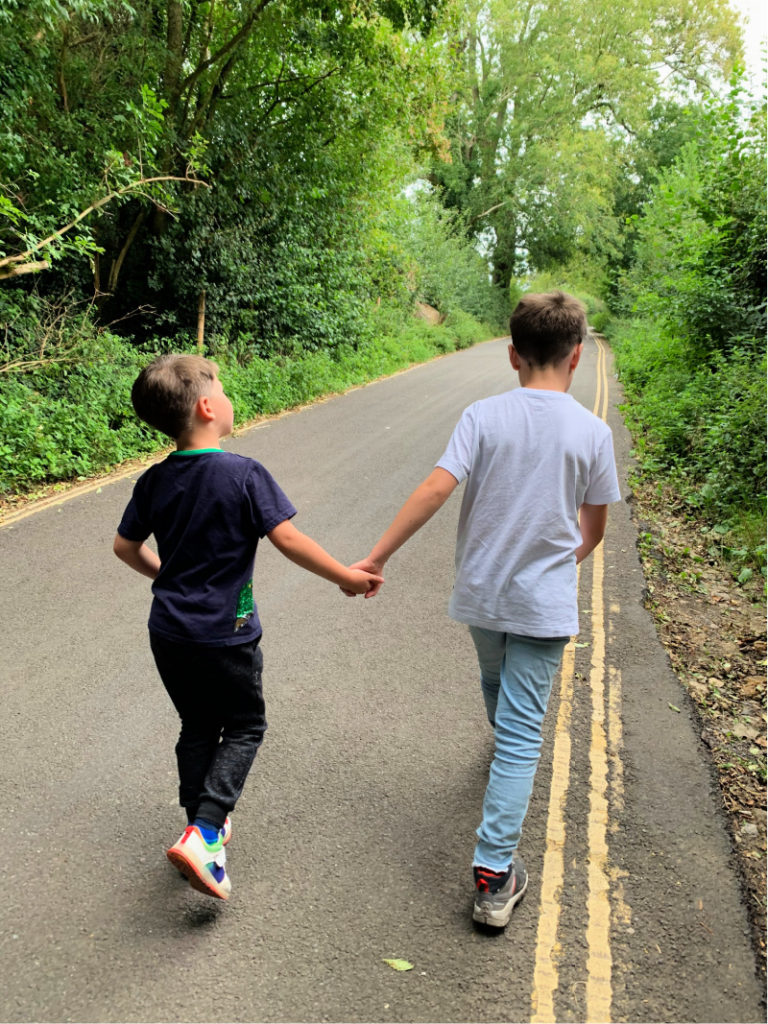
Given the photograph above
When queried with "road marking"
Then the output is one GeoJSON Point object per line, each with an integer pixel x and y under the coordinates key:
{"type": "Point", "coordinates": [599, 958]}
{"type": "Point", "coordinates": [600, 373]}
{"type": "Point", "coordinates": [545, 976]}
{"type": "Point", "coordinates": [601, 394]}
{"type": "Point", "coordinates": [615, 729]}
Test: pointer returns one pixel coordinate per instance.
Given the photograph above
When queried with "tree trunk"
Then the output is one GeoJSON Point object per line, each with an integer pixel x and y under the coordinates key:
{"type": "Point", "coordinates": [175, 58]}
{"type": "Point", "coordinates": [201, 321]}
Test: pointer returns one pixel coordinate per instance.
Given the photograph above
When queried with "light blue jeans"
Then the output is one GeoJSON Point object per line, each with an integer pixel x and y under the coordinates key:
{"type": "Point", "coordinates": [516, 674]}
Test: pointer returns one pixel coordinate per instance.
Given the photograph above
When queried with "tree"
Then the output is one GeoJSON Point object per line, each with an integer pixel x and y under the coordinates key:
{"type": "Point", "coordinates": [295, 114]}
{"type": "Point", "coordinates": [699, 262]}
{"type": "Point", "coordinates": [549, 98]}
{"type": "Point", "coordinates": [691, 344]}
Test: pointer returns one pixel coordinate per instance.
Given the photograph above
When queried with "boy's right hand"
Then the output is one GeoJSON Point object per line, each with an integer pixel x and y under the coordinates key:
{"type": "Point", "coordinates": [366, 579]}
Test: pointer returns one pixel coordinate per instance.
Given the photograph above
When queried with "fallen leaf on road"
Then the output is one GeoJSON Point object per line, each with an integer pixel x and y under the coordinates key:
{"type": "Point", "coordinates": [672, 706]}
{"type": "Point", "coordinates": [399, 965]}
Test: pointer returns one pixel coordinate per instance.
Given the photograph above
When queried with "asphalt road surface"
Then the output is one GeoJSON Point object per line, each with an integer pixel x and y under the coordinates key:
{"type": "Point", "coordinates": [353, 840]}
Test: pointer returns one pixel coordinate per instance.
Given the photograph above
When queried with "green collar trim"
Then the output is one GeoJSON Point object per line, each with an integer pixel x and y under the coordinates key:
{"type": "Point", "coordinates": [197, 451]}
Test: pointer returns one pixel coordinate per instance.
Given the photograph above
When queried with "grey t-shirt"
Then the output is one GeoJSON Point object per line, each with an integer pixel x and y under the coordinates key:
{"type": "Point", "coordinates": [531, 458]}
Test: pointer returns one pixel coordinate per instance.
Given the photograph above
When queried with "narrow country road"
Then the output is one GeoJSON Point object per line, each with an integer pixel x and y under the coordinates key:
{"type": "Point", "coordinates": [354, 837]}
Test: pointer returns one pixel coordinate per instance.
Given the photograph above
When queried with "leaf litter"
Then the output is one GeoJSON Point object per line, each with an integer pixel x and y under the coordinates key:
{"type": "Point", "coordinates": [714, 631]}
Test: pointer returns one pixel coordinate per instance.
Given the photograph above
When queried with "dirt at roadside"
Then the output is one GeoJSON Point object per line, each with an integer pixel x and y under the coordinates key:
{"type": "Point", "coordinates": [714, 631]}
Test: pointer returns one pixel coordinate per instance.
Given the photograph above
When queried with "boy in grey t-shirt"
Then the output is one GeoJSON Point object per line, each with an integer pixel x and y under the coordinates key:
{"type": "Point", "coordinates": [540, 474]}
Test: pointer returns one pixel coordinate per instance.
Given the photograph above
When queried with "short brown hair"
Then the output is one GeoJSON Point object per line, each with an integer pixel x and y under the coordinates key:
{"type": "Point", "coordinates": [546, 327]}
{"type": "Point", "coordinates": [165, 393]}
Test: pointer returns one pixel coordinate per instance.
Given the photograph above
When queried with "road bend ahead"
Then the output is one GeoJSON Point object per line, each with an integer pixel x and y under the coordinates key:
{"type": "Point", "coordinates": [354, 837]}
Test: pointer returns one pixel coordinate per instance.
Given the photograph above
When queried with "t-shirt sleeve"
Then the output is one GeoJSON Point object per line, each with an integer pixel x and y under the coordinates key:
{"type": "Point", "coordinates": [267, 503]}
{"type": "Point", "coordinates": [603, 482]}
{"type": "Point", "coordinates": [457, 457]}
{"type": "Point", "coordinates": [133, 525]}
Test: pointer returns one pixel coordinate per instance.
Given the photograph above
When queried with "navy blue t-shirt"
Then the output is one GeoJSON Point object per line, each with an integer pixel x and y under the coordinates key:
{"type": "Point", "coordinates": [207, 510]}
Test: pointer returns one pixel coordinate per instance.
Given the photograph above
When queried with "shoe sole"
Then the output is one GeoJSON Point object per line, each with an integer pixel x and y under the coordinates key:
{"type": "Point", "coordinates": [498, 917]}
{"type": "Point", "coordinates": [197, 881]}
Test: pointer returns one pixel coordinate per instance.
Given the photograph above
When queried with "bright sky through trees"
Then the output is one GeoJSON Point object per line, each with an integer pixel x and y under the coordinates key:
{"type": "Point", "coordinates": [755, 15]}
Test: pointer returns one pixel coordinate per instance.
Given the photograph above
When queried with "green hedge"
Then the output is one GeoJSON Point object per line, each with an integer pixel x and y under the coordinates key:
{"type": "Point", "coordinates": [699, 426]}
{"type": "Point", "coordinates": [70, 419]}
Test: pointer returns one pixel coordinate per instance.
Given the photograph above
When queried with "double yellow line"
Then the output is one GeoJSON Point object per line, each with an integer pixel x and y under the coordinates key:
{"type": "Point", "coordinates": [605, 740]}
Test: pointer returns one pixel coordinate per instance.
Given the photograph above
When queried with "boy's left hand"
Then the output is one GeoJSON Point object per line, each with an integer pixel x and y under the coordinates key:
{"type": "Point", "coordinates": [375, 582]}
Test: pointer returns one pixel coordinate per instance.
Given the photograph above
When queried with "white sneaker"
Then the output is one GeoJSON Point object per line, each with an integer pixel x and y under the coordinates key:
{"type": "Point", "coordinates": [202, 863]}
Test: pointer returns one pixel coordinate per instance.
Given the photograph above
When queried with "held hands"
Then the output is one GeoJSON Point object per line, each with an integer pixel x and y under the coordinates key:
{"type": "Point", "coordinates": [370, 576]}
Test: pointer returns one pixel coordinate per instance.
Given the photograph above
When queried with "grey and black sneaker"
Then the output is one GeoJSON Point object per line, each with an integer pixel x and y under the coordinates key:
{"type": "Point", "coordinates": [496, 893]}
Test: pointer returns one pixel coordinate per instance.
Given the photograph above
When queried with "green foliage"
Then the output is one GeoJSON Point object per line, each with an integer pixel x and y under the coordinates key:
{"type": "Point", "coordinates": [700, 253]}
{"type": "Point", "coordinates": [257, 99]}
{"type": "Point", "coordinates": [70, 419]}
{"type": "Point", "coordinates": [549, 100]}
{"type": "Point", "coordinates": [66, 420]}
{"type": "Point", "coordinates": [77, 124]}
{"type": "Point", "coordinates": [599, 321]}
{"type": "Point", "coordinates": [447, 271]}
{"type": "Point", "coordinates": [704, 426]}
{"type": "Point", "coordinates": [691, 345]}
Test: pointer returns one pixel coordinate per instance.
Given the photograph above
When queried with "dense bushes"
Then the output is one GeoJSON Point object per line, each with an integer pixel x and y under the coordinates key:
{"type": "Point", "coordinates": [690, 344]}
{"type": "Point", "coordinates": [69, 419]}
{"type": "Point", "coordinates": [702, 428]}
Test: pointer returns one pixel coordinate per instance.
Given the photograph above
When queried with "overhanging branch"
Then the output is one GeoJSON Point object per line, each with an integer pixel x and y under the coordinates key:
{"type": "Point", "coordinates": [22, 257]}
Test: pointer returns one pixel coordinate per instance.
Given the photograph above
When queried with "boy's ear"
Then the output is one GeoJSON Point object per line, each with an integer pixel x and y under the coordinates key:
{"type": "Point", "coordinates": [203, 409]}
{"type": "Point", "coordinates": [514, 358]}
{"type": "Point", "coordinates": [576, 356]}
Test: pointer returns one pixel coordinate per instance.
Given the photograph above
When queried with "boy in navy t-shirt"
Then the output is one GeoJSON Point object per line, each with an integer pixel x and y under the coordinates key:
{"type": "Point", "coordinates": [207, 510]}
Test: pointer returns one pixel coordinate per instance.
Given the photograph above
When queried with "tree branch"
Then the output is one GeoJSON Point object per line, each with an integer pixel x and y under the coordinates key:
{"type": "Point", "coordinates": [26, 268]}
{"type": "Point", "coordinates": [492, 209]}
{"type": "Point", "coordinates": [117, 265]}
{"type": "Point", "coordinates": [125, 190]}
{"type": "Point", "coordinates": [236, 39]}
{"type": "Point", "coordinates": [32, 364]}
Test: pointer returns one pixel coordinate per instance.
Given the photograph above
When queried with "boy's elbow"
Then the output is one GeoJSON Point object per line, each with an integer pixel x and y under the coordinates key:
{"type": "Point", "coordinates": [121, 547]}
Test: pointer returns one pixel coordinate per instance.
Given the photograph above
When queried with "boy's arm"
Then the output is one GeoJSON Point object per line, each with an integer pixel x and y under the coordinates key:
{"type": "Point", "coordinates": [307, 553]}
{"type": "Point", "coordinates": [136, 554]}
{"type": "Point", "coordinates": [428, 497]}
{"type": "Point", "coordinates": [592, 522]}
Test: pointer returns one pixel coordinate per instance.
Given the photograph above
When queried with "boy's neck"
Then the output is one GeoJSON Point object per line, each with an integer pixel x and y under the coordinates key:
{"type": "Point", "coordinates": [196, 440]}
{"type": "Point", "coordinates": [547, 378]}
